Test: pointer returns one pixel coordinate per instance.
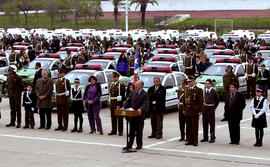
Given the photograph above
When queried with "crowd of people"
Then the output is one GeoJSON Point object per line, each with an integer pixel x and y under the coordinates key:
{"type": "Point", "coordinates": [193, 101]}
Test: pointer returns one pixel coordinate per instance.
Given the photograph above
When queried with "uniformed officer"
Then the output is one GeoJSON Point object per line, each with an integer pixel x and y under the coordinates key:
{"type": "Point", "coordinates": [15, 88]}
{"type": "Point", "coordinates": [193, 107]}
{"type": "Point", "coordinates": [189, 62]}
{"type": "Point", "coordinates": [251, 71]}
{"type": "Point", "coordinates": [69, 62]}
{"type": "Point", "coordinates": [62, 100]}
{"type": "Point", "coordinates": [129, 40]}
{"type": "Point", "coordinates": [227, 80]}
{"type": "Point", "coordinates": [76, 95]}
{"type": "Point", "coordinates": [14, 57]}
{"type": "Point", "coordinates": [117, 96]}
{"type": "Point", "coordinates": [258, 108]}
{"type": "Point", "coordinates": [182, 120]}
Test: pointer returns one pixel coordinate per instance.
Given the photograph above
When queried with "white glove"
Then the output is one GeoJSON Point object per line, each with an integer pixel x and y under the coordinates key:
{"type": "Point", "coordinates": [33, 109]}
{"type": "Point", "coordinates": [253, 75]}
{"type": "Point", "coordinates": [256, 116]}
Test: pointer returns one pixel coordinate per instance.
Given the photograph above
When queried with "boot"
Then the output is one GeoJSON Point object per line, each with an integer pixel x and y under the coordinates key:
{"type": "Point", "coordinates": [74, 129]}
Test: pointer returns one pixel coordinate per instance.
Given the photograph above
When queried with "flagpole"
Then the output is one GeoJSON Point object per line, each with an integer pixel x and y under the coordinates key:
{"type": "Point", "coordinates": [126, 15]}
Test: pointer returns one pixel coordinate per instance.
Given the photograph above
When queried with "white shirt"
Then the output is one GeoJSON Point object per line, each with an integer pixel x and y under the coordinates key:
{"type": "Point", "coordinates": [208, 90]}
{"type": "Point", "coordinates": [252, 107]}
{"type": "Point", "coordinates": [192, 87]}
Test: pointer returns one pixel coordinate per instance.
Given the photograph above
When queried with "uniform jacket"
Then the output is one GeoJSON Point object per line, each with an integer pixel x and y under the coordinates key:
{"type": "Point", "coordinates": [44, 87]}
{"type": "Point", "coordinates": [238, 106]}
{"type": "Point", "coordinates": [15, 85]}
{"type": "Point", "coordinates": [114, 92]}
{"type": "Point", "coordinates": [228, 79]}
{"type": "Point", "coordinates": [193, 103]}
{"type": "Point", "coordinates": [181, 97]}
{"type": "Point", "coordinates": [137, 101]}
{"type": "Point", "coordinates": [264, 78]}
{"type": "Point", "coordinates": [62, 85]}
{"type": "Point", "coordinates": [30, 100]}
{"type": "Point", "coordinates": [159, 97]}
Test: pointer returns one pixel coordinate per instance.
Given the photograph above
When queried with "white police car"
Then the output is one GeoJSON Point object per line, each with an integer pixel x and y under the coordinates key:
{"type": "Point", "coordinates": [106, 62]}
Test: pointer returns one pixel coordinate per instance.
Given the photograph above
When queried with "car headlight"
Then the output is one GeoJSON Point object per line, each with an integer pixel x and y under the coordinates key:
{"type": "Point", "coordinates": [219, 85]}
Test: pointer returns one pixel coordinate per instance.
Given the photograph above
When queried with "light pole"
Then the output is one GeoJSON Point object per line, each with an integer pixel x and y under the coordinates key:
{"type": "Point", "coordinates": [126, 15]}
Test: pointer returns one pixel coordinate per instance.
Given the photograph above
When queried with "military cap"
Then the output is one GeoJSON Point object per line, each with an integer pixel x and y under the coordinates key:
{"type": "Point", "coordinates": [229, 67]}
{"type": "Point", "coordinates": [191, 78]}
{"type": "Point", "coordinates": [76, 80]}
{"type": "Point", "coordinates": [263, 65]}
{"type": "Point", "coordinates": [185, 81]}
{"type": "Point", "coordinates": [31, 85]}
{"type": "Point", "coordinates": [11, 68]}
{"type": "Point", "coordinates": [115, 74]}
{"type": "Point", "coordinates": [61, 70]}
{"type": "Point", "coordinates": [210, 81]}
{"type": "Point", "coordinates": [259, 90]}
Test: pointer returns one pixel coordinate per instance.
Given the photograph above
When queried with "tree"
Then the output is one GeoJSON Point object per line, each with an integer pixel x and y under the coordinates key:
{"type": "Point", "coordinates": [96, 9]}
{"type": "Point", "coordinates": [84, 9]}
{"type": "Point", "coordinates": [24, 6]}
{"type": "Point", "coordinates": [143, 4]}
{"type": "Point", "coordinates": [117, 4]}
{"type": "Point", "coordinates": [51, 7]}
{"type": "Point", "coordinates": [64, 7]}
{"type": "Point", "coordinates": [11, 11]}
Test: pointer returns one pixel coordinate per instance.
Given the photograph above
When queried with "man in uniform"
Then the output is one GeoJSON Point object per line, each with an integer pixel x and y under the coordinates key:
{"type": "Point", "coordinates": [227, 80]}
{"type": "Point", "coordinates": [62, 100]}
{"type": "Point", "coordinates": [189, 62]}
{"type": "Point", "coordinates": [117, 96]}
{"type": "Point", "coordinates": [193, 105]}
{"type": "Point", "coordinates": [14, 58]}
{"type": "Point", "coordinates": [157, 99]}
{"type": "Point", "coordinates": [182, 120]}
{"type": "Point", "coordinates": [202, 55]}
{"type": "Point", "coordinates": [251, 70]}
{"type": "Point", "coordinates": [129, 40]}
{"type": "Point", "coordinates": [15, 88]}
{"type": "Point", "coordinates": [70, 61]}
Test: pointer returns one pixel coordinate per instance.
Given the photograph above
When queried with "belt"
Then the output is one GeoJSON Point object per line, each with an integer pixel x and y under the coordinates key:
{"type": "Point", "coordinates": [28, 102]}
{"type": "Point", "coordinates": [77, 99]}
{"type": "Point", "coordinates": [180, 103]}
{"type": "Point", "coordinates": [60, 94]}
{"type": "Point", "coordinates": [113, 98]}
{"type": "Point", "coordinates": [249, 75]}
{"type": "Point", "coordinates": [188, 67]}
{"type": "Point", "coordinates": [209, 105]}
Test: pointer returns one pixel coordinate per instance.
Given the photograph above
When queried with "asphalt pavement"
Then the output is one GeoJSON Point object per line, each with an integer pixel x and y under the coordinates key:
{"type": "Point", "coordinates": [49, 148]}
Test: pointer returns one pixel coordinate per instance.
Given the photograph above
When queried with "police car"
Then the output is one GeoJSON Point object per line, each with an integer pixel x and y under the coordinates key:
{"type": "Point", "coordinates": [116, 52]}
{"type": "Point", "coordinates": [47, 61]}
{"type": "Point", "coordinates": [73, 49]}
{"type": "Point", "coordinates": [106, 61]}
{"type": "Point", "coordinates": [265, 51]}
{"type": "Point", "coordinates": [209, 50]}
{"type": "Point", "coordinates": [217, 71]}
{"type": "Point", "coordinates": [224, 54]}
{"type": "Point", "coordinates": [167, 49]}
{"type": "Point", "coordinates": [104, 77]}
{"type": "Point", "coordinates": [172, 81]}
{"type": "Point", "coordinates": [4, 63]}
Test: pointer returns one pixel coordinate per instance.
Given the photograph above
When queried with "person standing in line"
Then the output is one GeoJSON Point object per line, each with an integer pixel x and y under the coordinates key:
{"type": "Point", "coordinates": [251, 72]}
{"type": "Point", "coordinates": [234, 105]}
{"type": "Point", "coordinates": [258, 107]}
{"type": "Point", "coordinates": [264, 81]}
{"type": "Point", "coordinates": [44, 91]}
{"type": "Point", "coordinates": [182, 119]}
{"type": "Point", "coordinates": [92, 96]}
{"type": "Point", "coordinates": [29, 102]}
{"type": "Point", "coordinates": [211, 101]}
{"type": "Point", "coordinates": [157, 99]}
{"type": "Point", "coordinates": [122, 65]}
{"type": "Point", "coordinates": [77, 107]}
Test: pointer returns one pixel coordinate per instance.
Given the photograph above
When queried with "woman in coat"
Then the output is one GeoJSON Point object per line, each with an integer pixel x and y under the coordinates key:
{"type": "Point", "coordinates": [92, 96]}
{"type": "Point", "coordinates": [122, 65]}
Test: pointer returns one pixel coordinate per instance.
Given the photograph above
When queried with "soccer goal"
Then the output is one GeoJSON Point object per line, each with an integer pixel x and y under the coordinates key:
{"type": "Point", "coordinates": [223, 25]}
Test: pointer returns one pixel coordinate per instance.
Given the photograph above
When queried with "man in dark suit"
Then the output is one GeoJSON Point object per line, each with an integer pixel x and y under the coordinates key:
{"type": "Point", "coordinates": [234, 106]}
{"type": "Point", "coordinates": [37, 74]}
{"type": "Point", "coordinates": [263, 80]}
{"type": "Point", "coordinates": [147, 56]}
{"type": "Point", "coordinates": [137, 100]}
{"type": "Point", "coordinates": [31, 53]}
{"type": "Point", "coordinates": [157, 98]}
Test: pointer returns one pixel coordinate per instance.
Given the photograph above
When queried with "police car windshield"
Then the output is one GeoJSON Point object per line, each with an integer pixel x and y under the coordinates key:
{"type": "Point", "coordinates": [3, 61]}
{"type": "Point", "coordinates": [148, 79]}
{"type": "Point", "coordinates": [83, 76]}
{"type": "Point", "coordinates": [103, 64]}
{"type": "Point", "coordinates": [266, 62]}
{"type": "Point", "coordinates": [218, 70]}
{"type": "Point", "coordinates": [45, 64]}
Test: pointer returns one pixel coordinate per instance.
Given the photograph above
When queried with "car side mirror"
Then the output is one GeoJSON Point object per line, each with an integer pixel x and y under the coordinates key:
{"type": "Point", "coordinates": [169, 87]}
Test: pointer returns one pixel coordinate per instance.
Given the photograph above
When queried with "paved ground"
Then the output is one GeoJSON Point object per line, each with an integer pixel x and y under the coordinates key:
{"type": "Point", "coordinates": [20, 147]}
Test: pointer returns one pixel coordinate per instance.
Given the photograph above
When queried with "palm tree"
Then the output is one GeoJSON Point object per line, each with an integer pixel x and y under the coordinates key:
{"type": "Point", "coordinates": [117, 4]}
{"type": "Point", "coordinates": [143, 4]}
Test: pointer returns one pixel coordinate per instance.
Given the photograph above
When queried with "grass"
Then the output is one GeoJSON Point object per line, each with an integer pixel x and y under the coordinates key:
{"type": "Point", "coordinates": [256, 24]}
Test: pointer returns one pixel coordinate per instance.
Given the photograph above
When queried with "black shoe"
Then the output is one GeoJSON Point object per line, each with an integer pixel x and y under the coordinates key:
{"type": "Point", "coordinates": [126, 148]}
{"type": "Point", "coordinates": [101, 133]}
{"type": "Point", "coordinates": [256, 144]}
{"type": "Point", "coordinates": [195, 144]}
{"type": "Point", "coordinates": [188, 143]}
{"type": "Point", "coordinates": [64, 129]}
{"type": "Point", "coordinates": [18, 126]}
{"type": "Point", "coordinates": [112, 133]}
{"type": "Point", "coordinates": [80, 130]}
{"type": "Point", "coordinates": [120, 134]}
{"type": "Point", "coordinates": [92, 132]}
{"type": "Point", "coordinates": [259, 145]}
{"type": "Point", "coordinates": [41, 127]}
{"type": "Point", "coordinates": [25, 127]}
{"type": "Point", "coordinates": [152, 136]}
{"type": "Point", "coordinates": [182, 139]}
{"type": "Point", "coordinates": [212, 141]}
{"type": "Point", "coordinates": [204, 140]}
{"type": "Point", "coordinates": [59, 128]}
{"type": "Point", "coordinates": [10, 124]}
{"type": "Point", "coordinates": [138, 147]}
{"type": "Point", "coordinates": [32, 127]}
{"type": "Point", "coordinates": [237, 143]}
{"type": "Point", "coordinates": [48, 128]}
{"type": "Point", "coordinates": [159, 137]}
{"type": "Point", "coordinates": [224, 119]}
{"type": "Point", "coordinates": [74, 130]}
